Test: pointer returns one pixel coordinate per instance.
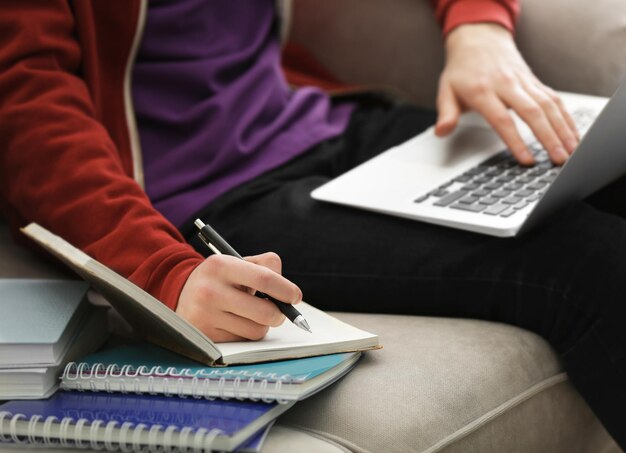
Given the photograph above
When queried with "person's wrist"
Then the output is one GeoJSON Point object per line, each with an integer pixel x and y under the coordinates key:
{"type": "Point", "coordinates": [480, 34]}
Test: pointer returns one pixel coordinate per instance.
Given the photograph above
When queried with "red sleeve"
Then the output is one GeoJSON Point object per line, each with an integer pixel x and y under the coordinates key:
{"type": "Point", "coordinates": [58, 165]}
{"type": "Point", "coordinates": [301, 68]}
{"type": "Point", "coordinates": [452, 13]}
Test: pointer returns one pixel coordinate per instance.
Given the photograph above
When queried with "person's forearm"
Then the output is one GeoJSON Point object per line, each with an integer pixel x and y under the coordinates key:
{"type": "Point", "coordinates": [485, 72]}
{"type": "Point", "coordinates": [60, 167]}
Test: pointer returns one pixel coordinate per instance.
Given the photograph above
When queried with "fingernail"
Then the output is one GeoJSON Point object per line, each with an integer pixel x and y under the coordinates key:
{"type": "Point", "coordinates": [571, 144]}
{"type": "Point", "coordinates": [299, 299]}
{"type": "Point", "coordinates": [561, 153]}
{"type": "Point", "coordinates": [527, 157]}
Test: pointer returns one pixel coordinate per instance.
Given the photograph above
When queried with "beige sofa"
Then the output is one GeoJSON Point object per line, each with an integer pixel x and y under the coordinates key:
{"type": "Point", "coordinates": [441, 385]}
{"type": "Point", "coordinates": [572, 45]}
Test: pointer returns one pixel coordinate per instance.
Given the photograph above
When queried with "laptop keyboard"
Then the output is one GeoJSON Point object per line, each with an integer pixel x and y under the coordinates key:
{"type": "Point", "coordinates": [499, 186]}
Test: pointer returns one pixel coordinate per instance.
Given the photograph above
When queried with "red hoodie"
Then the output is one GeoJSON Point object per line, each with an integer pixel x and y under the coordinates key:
{"type": "Point", "coordinates": [69, 150]}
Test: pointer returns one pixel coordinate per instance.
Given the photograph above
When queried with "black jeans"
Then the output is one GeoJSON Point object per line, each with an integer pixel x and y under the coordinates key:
{"type": "Point", "coordinates": [565, 280]}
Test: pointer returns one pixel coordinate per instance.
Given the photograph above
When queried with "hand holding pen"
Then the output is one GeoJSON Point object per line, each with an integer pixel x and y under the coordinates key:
{"type": "Point", "coordinates": [215, 300]}
{"type": "Point", "coordinates": [219, 246]}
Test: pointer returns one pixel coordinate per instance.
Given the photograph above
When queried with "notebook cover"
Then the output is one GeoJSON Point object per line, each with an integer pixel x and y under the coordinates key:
{"type": "Point", "coordinates": [37, 311]}
{"type": "Point", "coordinates": [255, 443]}
{"type": "Point", "coordinates": [16, 383]}
{"type": "Point", "coordinates": [228, 416]}
{"type": "Point", "coordinates": [150, 318]}
{"type": "Point", "coordinates": [252, 445]}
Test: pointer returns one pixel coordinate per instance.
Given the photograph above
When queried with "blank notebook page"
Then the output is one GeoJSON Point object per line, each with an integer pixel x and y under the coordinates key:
{"type": "Point", "coordinates": [327, 330]}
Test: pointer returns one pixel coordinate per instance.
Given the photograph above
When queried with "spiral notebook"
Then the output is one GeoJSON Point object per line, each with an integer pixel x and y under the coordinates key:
{"type": "Point", "coordinates": [158, 324]}
{"type": "Point", "coordinates": [137, 422]}
{"type": "Point", "coordinates": [252, 445]}
{"type": "Point", "coordinates": [146, 368]}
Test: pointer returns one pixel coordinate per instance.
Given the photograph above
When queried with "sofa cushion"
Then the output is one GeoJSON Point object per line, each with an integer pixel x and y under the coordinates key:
{"type": "Point", "coordinates": [455, 386]}
{"type": "Point", "coordinates": [572, 45]}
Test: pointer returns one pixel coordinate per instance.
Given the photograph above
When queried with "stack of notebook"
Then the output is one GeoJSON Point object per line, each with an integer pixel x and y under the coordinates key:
{"type": "Point", "coordinates": [44, 325]}
{"type": "Point", "coordinates": [142, 395]}
{"type": "Point", "coordinates": [189, 393]}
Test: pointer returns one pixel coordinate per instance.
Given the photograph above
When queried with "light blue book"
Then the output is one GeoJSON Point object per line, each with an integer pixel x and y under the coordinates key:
{"type": "Point", "coordinates": [39, 317]}
{"type": "Point", "coordinates": [146, 368]}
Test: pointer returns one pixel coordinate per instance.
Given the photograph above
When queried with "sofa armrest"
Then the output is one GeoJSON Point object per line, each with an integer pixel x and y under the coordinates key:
{"type": "Point", "coordinates": [572, 45]}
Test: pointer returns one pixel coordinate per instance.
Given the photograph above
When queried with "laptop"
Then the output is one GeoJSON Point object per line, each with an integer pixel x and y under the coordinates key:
{"type": "Point", "coordinates": [470, 181]}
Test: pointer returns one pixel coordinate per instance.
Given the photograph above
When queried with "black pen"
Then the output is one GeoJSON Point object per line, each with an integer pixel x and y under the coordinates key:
{"type": "Point", "coordinates": [219, 246]}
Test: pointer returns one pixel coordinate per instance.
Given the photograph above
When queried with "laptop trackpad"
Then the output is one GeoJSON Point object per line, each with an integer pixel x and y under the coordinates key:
{"type": "Point", "coordinates": [467, 143]}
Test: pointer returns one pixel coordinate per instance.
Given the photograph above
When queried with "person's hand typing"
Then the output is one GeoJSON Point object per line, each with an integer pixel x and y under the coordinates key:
{"type": "Point", "coordinates": [217, 297]}
{"type": "Point", "coordinates": [485, 72]}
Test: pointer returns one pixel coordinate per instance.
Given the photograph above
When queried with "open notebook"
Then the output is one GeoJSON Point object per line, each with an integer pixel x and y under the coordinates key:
{"type": "Point", "coordinates": [160, 325]}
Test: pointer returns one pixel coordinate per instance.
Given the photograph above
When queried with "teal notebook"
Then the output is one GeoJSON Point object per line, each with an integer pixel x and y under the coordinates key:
{"type": "Point", "coordinates": [147, 368]}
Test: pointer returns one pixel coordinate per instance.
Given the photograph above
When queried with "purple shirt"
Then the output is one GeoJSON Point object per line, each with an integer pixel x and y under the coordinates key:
{"type": "Point", "coordinates": [212, 104]}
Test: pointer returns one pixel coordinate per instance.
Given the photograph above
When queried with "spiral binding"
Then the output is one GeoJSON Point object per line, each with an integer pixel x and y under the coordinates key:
{"type": "Point", "coordinates": [185, 382]}
{"type": "Point", "coordinates": [75, 370]}
{"type": "Point", "coordinates": [125, 437]}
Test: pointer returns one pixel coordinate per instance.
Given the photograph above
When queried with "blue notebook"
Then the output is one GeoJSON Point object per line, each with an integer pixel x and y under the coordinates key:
{"type": "Point", "coordinates": [147, 368]}
{"type": "Point", "coordinates": [99, 421]}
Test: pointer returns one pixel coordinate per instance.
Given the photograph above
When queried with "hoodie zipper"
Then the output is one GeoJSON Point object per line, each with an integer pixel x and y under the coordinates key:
{"type": "Point", "coordinates": [131, 123]}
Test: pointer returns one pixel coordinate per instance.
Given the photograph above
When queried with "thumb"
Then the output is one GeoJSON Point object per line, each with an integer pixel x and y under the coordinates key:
{"type": "Point", "coordinates": [448, 109]}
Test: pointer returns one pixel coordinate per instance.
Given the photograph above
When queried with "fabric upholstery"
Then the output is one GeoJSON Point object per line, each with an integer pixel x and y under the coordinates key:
{"type": "Point", "coordinates": [453, 386]}
{"type": "Point", "coordinates": [572, 45]}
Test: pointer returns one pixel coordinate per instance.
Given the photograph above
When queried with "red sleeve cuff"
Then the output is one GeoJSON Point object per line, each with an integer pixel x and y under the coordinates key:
{"type": "Point", "coordinates": [167, 273]}
{"type": "Point", "coordinates": [175, 281]}
{"type": "Point", "coordinates": [451, 14]}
